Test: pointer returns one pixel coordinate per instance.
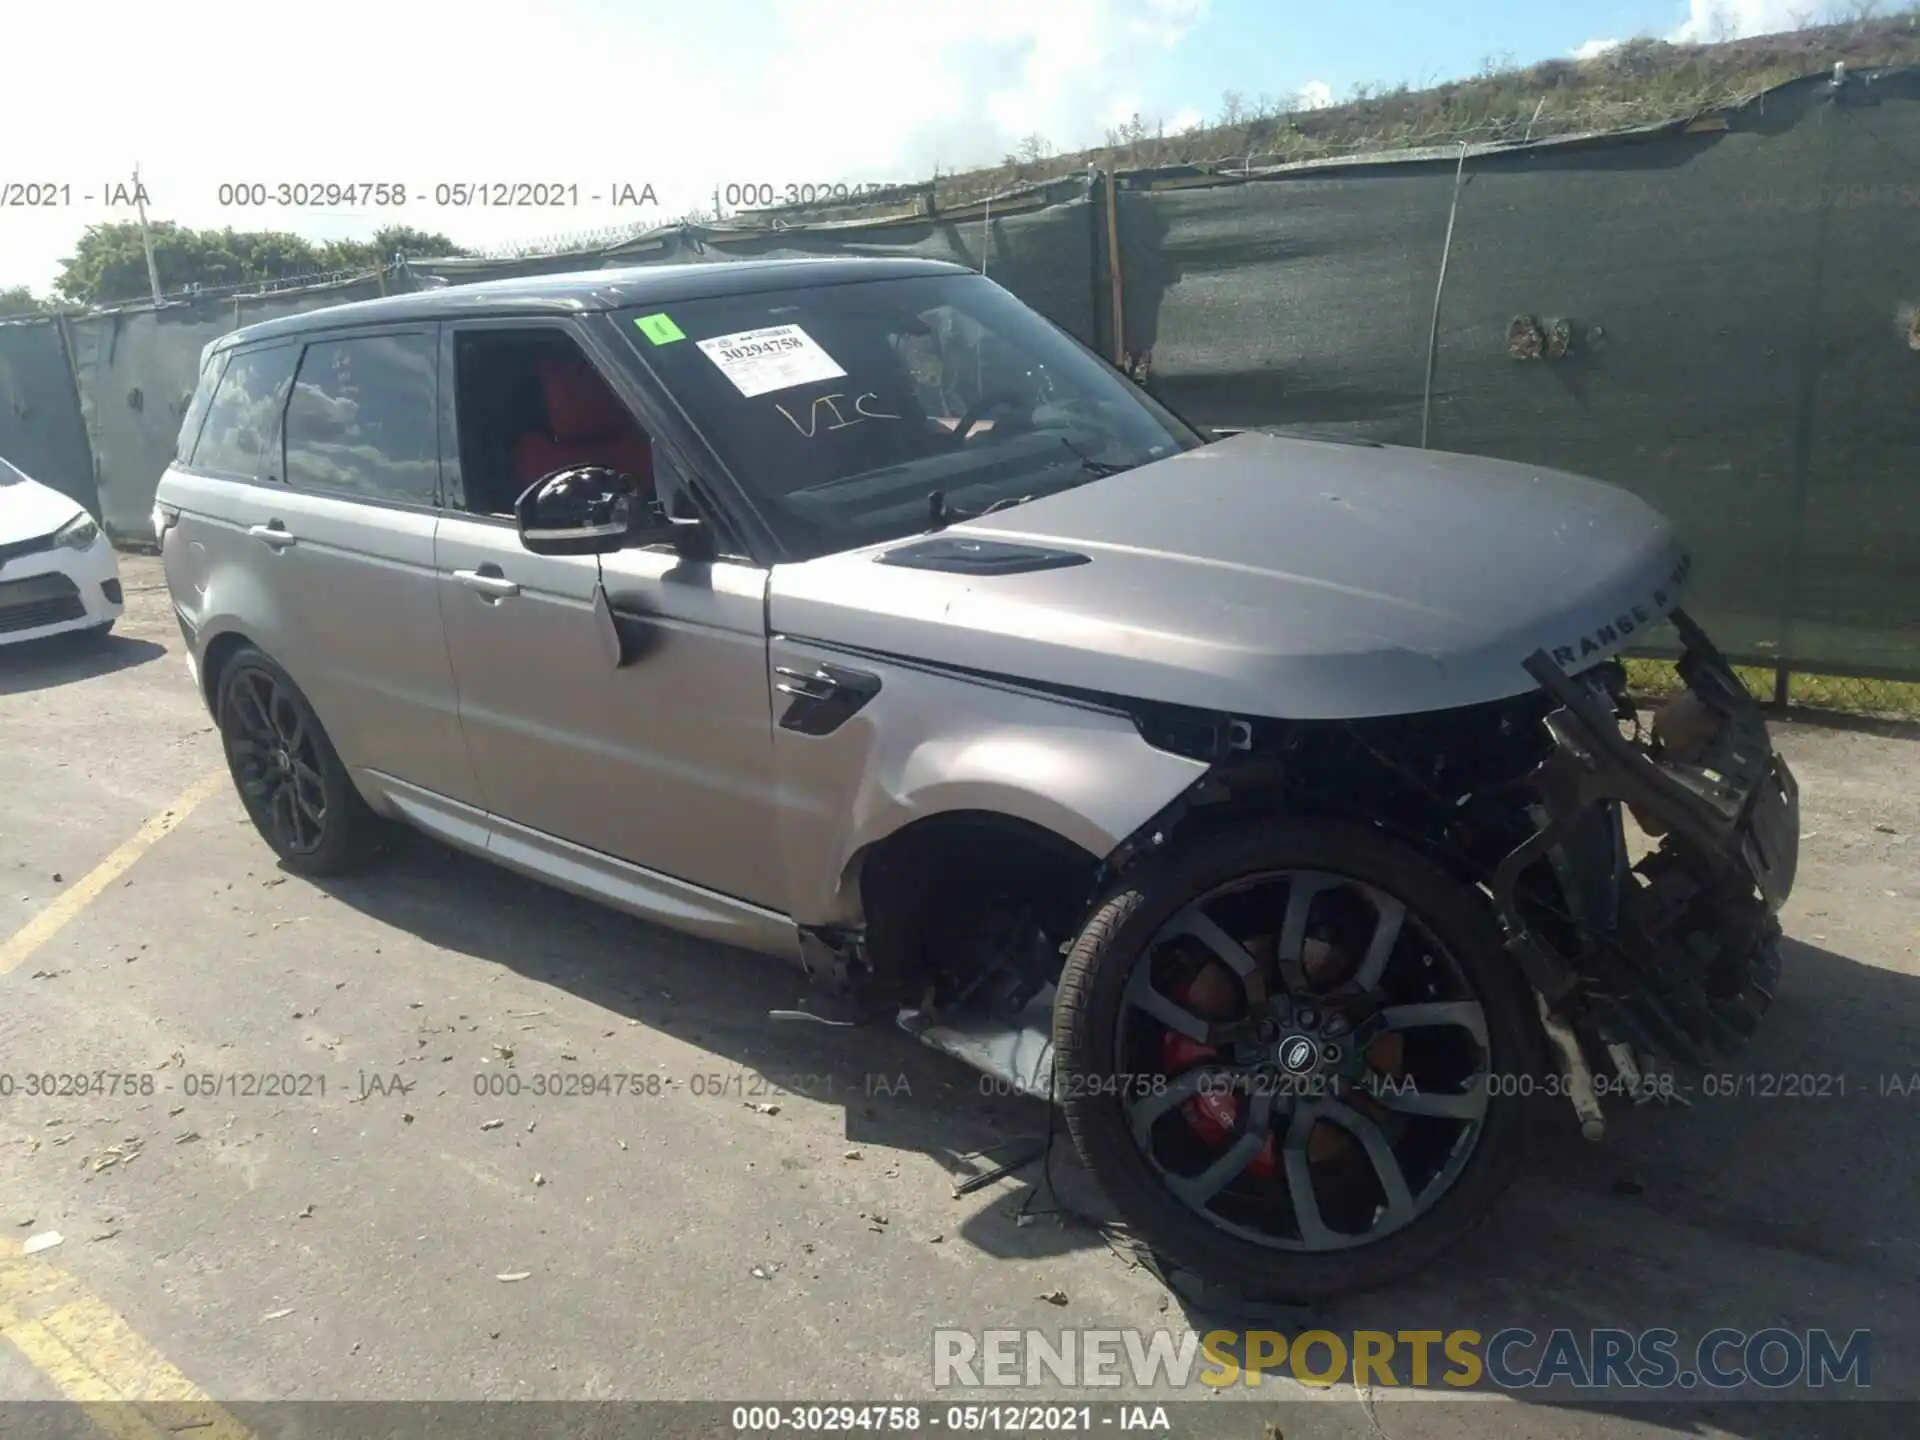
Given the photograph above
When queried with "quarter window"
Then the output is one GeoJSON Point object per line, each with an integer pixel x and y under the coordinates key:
{"type": "Point", "coordinates": [362, 418]}
{"type": "Point", "coordinates": [241, 436]}
{"type": "Point", "coordinates": [196, 414]}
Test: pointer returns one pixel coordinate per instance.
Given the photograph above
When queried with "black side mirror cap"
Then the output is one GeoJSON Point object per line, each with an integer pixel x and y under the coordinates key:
{"type": "Point", "coordinates": [582, 510]}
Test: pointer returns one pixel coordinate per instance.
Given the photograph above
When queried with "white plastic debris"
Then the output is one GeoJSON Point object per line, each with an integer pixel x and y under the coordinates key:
{"type": "Point", "coordinates": [45, 1240]}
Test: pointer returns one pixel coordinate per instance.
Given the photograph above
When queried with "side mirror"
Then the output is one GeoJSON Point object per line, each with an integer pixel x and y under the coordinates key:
{"type": "Point", "coordinates": [583, 510]}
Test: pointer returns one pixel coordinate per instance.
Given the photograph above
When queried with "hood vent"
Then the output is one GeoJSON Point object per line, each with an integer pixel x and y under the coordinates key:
{"type": "Point", "coordinates": [1319, 436]}
{"type": "Point", "coordinates": [959, 555]}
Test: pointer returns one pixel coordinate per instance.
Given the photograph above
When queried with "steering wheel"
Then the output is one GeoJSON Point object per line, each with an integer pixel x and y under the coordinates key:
{"type": "Point", "coordinates": [976, 412]}
{"type": "Point", "coordinates": [1074, 407]}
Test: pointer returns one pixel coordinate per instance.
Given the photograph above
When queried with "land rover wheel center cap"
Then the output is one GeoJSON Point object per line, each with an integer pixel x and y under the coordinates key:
{"type": "Point", "coordinates": [1297, 1054]}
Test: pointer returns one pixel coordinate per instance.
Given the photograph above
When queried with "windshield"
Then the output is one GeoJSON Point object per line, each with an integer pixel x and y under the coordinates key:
{"type": "Point", "coordinates": [9, 475]}
{"type": "Point", "coordinates": [860, 413]}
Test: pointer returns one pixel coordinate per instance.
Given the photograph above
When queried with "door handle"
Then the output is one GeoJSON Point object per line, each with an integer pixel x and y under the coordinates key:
{"type": "Point", "coordinates": [275, 534]}
{"type": "Point", "coordinates": [494, 587]}
{"type": "Point", "coordinates": [817, 685]}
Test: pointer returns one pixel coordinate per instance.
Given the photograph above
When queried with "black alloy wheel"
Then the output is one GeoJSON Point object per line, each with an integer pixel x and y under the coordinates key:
{"type": "Point", "coordinates": [289, 776]}
{"type": "Point", "coordinates": [1284, 1054]}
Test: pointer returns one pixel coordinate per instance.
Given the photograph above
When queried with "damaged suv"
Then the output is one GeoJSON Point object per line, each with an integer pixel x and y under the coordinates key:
{"type": "Point", "coordinates": [1262, 800]}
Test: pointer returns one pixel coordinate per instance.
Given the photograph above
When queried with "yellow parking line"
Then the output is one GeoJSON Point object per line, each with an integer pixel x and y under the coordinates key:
{"type": "Point", "coordinates": [94, 1358]}
{"type": "Point", "coordinates": [42, 928]}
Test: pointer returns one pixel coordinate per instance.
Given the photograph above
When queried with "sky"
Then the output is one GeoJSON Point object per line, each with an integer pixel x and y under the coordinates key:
{"type": "Point", "coordinates": [597, 95]}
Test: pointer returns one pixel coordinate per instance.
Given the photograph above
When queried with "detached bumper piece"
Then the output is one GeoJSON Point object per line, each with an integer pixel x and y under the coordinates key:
{"type": "Point", "coordinates": [1676, 958]}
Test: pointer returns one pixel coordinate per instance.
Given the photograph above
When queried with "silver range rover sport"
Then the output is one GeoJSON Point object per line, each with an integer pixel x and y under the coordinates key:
{"type": "Point", "coordinates": [1263, 800]}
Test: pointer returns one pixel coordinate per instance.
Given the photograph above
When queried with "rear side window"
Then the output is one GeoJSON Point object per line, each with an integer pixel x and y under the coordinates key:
{"type": "Point", "coordinates": [241, 436]}
{"type": "Point", "coordinates": [202, 398]}
{"type": "Point", "coordinates": [362, 419]}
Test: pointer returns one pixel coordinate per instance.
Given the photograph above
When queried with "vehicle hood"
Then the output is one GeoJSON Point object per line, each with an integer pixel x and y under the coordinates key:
{"type": "Point", "coordinates": [1277, 576]}
{"type": "Point", "coordinates": [29, 510]}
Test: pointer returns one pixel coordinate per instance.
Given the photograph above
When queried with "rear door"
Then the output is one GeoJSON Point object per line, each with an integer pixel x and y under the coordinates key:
{"type": "Point", "coordinates": [355, 517]}
{"type": "Point", "coordinates": [225, 483]}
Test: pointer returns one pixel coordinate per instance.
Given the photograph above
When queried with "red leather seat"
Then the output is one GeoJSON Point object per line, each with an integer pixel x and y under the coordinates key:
{"type": "Point", "coordinates": [586, 425]}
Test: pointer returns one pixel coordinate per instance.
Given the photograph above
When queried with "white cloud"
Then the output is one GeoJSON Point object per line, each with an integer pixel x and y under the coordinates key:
{"type": "Point", "coordinates": [1185, 120]}
{"type": "Point", "coordinates": [1709, 20]}
{"type": "Point", "coordinates": [682, 98]}
{"type": "Point", "coordinates": [1594, 49]}
{"type": "Point", "coordinates": [1314, 95]}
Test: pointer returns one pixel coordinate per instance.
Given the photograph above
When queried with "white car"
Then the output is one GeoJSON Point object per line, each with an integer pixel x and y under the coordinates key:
{"type": "Point", "coordinates": [58, 572]}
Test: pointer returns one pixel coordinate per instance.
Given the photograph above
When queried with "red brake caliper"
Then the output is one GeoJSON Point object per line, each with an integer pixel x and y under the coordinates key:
{"type": "Point", "coordinates": [1214, 1118]}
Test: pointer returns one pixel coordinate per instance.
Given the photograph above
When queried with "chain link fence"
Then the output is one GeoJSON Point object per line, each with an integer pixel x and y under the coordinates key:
{"type": "Point", "coordinates": [1652, 679]}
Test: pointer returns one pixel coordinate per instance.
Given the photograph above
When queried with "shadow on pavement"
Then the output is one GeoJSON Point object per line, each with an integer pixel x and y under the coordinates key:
{"type": "Point", "coordinates": [1783, 1198]}
{"type": "Point", "coordinates": [62, 659]}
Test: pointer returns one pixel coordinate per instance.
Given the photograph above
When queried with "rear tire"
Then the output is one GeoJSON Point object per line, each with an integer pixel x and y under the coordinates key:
{"type": "Point", "coordinates": [1141, 1147]}
{"type": "Point", "coordinates": [290, 778]}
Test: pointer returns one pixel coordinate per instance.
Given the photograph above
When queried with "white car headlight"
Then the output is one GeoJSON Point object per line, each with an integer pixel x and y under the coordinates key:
{"type": "Point", "coordinates": [78, 533]}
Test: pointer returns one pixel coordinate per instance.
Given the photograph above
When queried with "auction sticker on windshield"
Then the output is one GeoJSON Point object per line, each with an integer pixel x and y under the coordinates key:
{"type": "Point", "coordinates": [777, 357]}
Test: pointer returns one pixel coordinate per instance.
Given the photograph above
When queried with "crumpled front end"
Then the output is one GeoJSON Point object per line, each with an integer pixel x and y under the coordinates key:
{"type": "Point", "coordinates": [1671, 959]}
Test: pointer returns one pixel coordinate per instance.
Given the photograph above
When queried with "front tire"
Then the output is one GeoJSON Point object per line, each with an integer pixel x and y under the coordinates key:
{"type": "Point", "coordinates": [1281, 1050]}
{"type": "Point", "coordinates": [290, 778]}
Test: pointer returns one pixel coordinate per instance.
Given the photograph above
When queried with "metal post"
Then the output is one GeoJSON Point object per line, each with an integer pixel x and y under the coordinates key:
{"type": "Point", "coordinates": [146, 238]}
{"type": "Point", "coordinates": [1440, 289]}
{"type": "Point", "coordinates": [1113, 273]}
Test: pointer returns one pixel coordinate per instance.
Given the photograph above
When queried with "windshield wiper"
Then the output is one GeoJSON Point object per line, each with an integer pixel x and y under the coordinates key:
{"type": "Point", "coordinates": [940, 514]}
{"type": "Point", "coordinates": [1098, 468]}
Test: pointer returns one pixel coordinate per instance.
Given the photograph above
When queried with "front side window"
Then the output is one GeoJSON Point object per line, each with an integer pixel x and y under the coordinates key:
{"type": "Point", "coordinates": [529, 402]}
{"type": "Point", "coordinates": [854, 413]}
{"type": "Point", "coordinates": [242, 431]}
{"type": "Point", "coordinates": [362, 421]}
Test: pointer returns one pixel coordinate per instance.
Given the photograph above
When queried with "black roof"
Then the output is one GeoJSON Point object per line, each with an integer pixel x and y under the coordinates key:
{"type": "Point", "coordinates": [585, 290]}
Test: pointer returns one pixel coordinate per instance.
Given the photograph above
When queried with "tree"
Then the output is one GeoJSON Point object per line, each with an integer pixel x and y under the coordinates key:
{"type": "Point", "coordinates": [1035, 148]}
{"type": "Point", "coordinates": [110, 264]}
{"type": "Point", "coordinates": [19, 300]}
{"type": "Point", "coordinates": [1129, 134]}
{"type": "Point", "coordinates": [386, 243]}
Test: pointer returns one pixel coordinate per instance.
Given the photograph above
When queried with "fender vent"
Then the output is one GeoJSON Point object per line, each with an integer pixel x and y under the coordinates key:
{"type": "Point", "coordinates": [959, 555]}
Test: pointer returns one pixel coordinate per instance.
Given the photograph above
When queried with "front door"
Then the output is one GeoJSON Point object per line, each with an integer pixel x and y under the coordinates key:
{"type": "Point", "coordinates": [665, 760]}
